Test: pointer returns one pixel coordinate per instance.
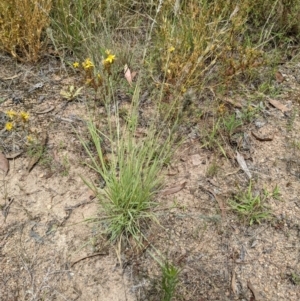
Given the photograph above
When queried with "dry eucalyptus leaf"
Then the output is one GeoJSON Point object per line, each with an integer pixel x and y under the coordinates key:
{"type": "Point", "coordinates": [235, 103]}
{"type": "Point", "coordinates": [173, 189]}
{"type": "Point", "coordinates": [279, 77]}
{"type": "Point", "coordinates": [278, 105]}
{"type": "Point", "coordinates": [240, 159]}
{"type": "Point", "coordinates": [13, 155]}
{"type": "Point", "coordinates": [128, 75]}
{"type": "Point", "coordinates": [259, 138]}
{"type": "Point", "coordinates": [4, 165]}
{"type": "Point", "coordinates": [253, 290]}
{"type": "Point", "coordinates": [46, 110]}
{"type": "Point", "coordinates": [234, 285]}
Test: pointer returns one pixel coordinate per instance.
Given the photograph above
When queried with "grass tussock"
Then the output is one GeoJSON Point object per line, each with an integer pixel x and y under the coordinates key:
{"type": "Point", "coordinates": [131, 172]}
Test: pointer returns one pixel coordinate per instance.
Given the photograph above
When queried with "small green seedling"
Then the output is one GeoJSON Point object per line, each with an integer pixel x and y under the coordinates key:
{"type": "Point", "coordinates": [250, 206]}
{"type": "Point", "coordinates": [276, 193]}
{"type": "Point", "coordinates": [170, 274]}
{"type": "Point", "coordinates": [231, 123]}
{"type": "Point", "coordinates": [295, 278]}
{"type": "Point", "coordinates": [71, 93]}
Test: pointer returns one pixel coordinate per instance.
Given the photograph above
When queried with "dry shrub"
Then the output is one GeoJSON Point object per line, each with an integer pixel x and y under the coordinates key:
{"type": "Point", "coordinates": [216, 42]}
{"type": "Point", "coordinates": [201, 35]}
{"type": "Point", "coordinates": [21, 27]}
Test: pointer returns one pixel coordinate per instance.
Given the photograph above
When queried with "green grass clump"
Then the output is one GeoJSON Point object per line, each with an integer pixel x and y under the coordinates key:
{"type": "Point", "coordinates": [250, 206]}
{"type": "Point", "coordinates": [131, 172]}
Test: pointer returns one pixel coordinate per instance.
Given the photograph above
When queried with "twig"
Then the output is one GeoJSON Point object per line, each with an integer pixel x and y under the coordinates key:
{"type": "Point", "coordinates": [89, 256]}
{"type": "Point", "coordinates": [253, 290]}
{"type": "Point", "coordinates": [219, 201]}
{"type": "Point", "coordinates": [78, 205]}
{"type": "Point", "coordinates": [6, 208]}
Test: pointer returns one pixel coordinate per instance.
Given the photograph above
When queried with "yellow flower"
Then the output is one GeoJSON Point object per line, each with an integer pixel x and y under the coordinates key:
{"type": "Point", "coordinates": [11, 114]}
{"type": "Point", "coordinates": [110, 57]}
{"type": "Point", "coordinates": [171, 49]}
{"type": "Point", "coordinates": [222, 108]}
{"type": "Point", "coordinates": [87, 64]}
{"type": "Point", "coordinates": [88, 81]}
{"type": "Point", "coordinates": [75, 64]}
{"type": "Point", "coordinates": [9, 126]}
{"type": "Point", "coordinates": [29, 139]}
{"type": "Point", "coordinates": [24, 116]}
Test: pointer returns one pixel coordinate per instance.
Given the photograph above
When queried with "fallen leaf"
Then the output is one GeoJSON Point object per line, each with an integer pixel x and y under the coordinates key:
{"type": "Point", "coordinates": [13, 155]}
{"type": "Point", "coordinates": [279, 77]}
{"type": "Point", "coordinates": [133, 74]}
{"type": "Point", "coordinates": [233, 102]}
{"type": "Point", "coordinates": [234, 285]}
{"type": "Point", "coordinates": [253, 290]}
{"type": "Point", "coordinates": [240, 159]}
{"type": "Point", "coordinates": [128, 75]}
{"type": "Point", "coordinates": [173, 189]}
{"type": "Point", "coordinates": [259, 138]}
{"type": "Point", "coordinates": [219, 201]}
{"type": "Point", "coordinates": [47, 110]}
{"type": "Point", "coordinates": [4, 165]}
{"type": "Point", "coordinates": [278, 105]}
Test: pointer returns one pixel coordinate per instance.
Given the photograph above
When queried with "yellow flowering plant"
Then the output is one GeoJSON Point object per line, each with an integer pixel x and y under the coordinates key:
{"type": "Point", "coordinates": [15, 119]}
{"type": "Point", "coordinates": [9, 126]}
{"type": "Point", "coordinates": [110, 58]}
{"type": "Point", "coordinates": [24, 116]}
{"type": "Point", "coordinates": [91, 77]}
{"type": "Point", "coordinates": [87, 64]}
{"type": "Point", "coordinates": [108, 61]}
{"type": "Point", "coordinates": [11, 114]}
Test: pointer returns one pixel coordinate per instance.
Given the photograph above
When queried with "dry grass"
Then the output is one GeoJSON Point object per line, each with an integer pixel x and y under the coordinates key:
{"type": "Point", "coordinates": [21, 27]}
